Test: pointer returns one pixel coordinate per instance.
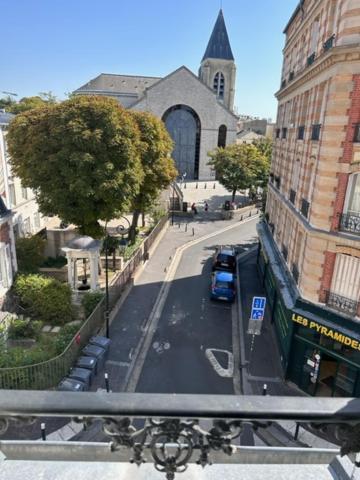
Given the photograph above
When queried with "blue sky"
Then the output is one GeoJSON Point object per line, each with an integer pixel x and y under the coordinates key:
{"type": "Point", "coordinates": [60, 45]}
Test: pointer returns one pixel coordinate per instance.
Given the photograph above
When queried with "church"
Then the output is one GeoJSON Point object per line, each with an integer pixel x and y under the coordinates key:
{"type": "Point", "coordinates": [197, 110]}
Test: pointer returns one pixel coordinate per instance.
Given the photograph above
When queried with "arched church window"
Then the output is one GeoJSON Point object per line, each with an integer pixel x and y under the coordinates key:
{"type": "Point", "coordinates": [219, 85]}
{"type": "Point", "coordinates": [222, 136]}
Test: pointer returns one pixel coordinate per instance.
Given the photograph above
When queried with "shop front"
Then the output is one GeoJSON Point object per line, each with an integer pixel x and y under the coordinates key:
{"type": "Point", "coordinates": [324, 360]}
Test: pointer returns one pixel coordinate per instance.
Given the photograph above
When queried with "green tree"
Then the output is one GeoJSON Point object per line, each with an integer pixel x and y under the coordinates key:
{"type": "Point", "coordinates": [265, 146]}
{"type": "Point", "coordinates": [30, 253]}
{"type": "Point", "coordinates": [7, 103]}
{"type": "Point", "coordinates": [27, 103]}
{"type": "Point", "coordinates": [81, 157]}
{"type": "Point", "coordinates": [239, 166]}
{"type": "Point", "coordinates": [157, 165]}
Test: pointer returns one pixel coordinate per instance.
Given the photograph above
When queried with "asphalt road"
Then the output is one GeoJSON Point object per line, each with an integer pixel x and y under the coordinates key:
{"type": "Point", "coordinates": [191, 323]}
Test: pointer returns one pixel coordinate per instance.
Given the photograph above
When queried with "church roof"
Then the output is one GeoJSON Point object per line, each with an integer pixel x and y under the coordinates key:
{"type": "Point", "coordinates": [110, 83]}
{"type": "Point", "coordinates": [219, 45]}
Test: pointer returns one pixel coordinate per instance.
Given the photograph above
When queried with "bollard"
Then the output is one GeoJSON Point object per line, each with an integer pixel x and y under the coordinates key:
{"type": "Point", "coordinates": [196, 186]}
{"type": "Point", "coordinates": [43, 432]}
{"type": "Point", "coordinates": [193, 231]}
{"type": "Point", "coordinates": [107, 385]}
{"type": "Point", "coordinates": [205, 186]}
{"type": "Point", "coordinates": [214, 185]}
{"type": "Point", "coordinates": [179, 225]}
{"type": "Point", "coordinates": [264, 392]}
{"type": "Point", "coordinates": [186, 225]}
{"type": "Point", "coordinates": [296, 434]}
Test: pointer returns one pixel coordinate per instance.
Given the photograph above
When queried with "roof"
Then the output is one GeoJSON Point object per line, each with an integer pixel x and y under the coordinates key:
{"type": "Point", "coordinates": [112, 83]}
{"type": "Point", "coordinates": [219, 45]}
{"type": "Point", "coordinates": [5, 117]}
{"type": "Point", "coordinates": [293, 16]}
{"type": "Point", "coordinates": [224, 276]}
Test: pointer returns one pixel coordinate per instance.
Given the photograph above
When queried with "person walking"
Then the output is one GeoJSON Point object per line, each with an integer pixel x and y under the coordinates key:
{"type": "Point", "coordinates": [194, 209]}
{"type": "Point", "coordinates": [206, 207]}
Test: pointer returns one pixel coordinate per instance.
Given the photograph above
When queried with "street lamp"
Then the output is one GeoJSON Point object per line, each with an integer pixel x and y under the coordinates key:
{"type": "Point", "coordinates": [120, 230]}
{"type": "Point", "coordinates": [173, 198]}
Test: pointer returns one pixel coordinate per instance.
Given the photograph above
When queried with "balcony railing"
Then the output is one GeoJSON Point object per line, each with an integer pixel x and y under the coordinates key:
{"type": "Point", "coordinates": [295, 272]}
{"type": "Point", "coordinates": [342, 304]}
{"type": "Point", "coordinates": [350, 222]}
{"type": "Point", "coordinates": [304, 209]}
{"type": "Point", "coordinates": [310, 59]}
{"type": "Point", "coordinates": [292, 196]}
{"type": "Point", "coordinates": [169, 431]}
{"type": "Point", "coordinates": [329, 43]}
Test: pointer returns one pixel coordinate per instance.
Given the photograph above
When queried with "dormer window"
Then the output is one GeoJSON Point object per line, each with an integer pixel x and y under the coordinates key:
{"type": "Point", "coordinates": [219, 85]}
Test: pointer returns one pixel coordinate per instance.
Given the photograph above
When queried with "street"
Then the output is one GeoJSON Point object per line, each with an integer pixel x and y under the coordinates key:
{"type": "Point", "coordinates": [183, 356]}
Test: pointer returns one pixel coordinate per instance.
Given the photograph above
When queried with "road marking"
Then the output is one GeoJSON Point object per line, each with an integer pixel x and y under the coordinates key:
{"type": "Point", "coordinates": [223, 372]}
{"type": "Point", "coordinates": [142, 349]}
{"type": "Point", "coordinates": [118, 364]}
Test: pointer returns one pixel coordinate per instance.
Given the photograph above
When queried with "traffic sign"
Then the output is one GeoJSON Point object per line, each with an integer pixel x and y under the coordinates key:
{"type": "Point", "coordinates": [258, 308]}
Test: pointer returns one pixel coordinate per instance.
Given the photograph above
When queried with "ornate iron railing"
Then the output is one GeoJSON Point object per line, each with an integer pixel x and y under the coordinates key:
{"type": "Point", "coordinates": [304, 208]}
{"type": "Point", "coordinates": [295, 272]}
{"type": "Point", "coordinates": [311, 59]}
{"type": "Point", "coordinates": [342, 304]}
{"type": "Point", "coordinates": [350, 222]}
{"type": "Point", "coordinates": [292, 196]}
{"type": "Point", "coordinates": [329, 43]}
{"type": "Point", "coordinates": [169, 431]}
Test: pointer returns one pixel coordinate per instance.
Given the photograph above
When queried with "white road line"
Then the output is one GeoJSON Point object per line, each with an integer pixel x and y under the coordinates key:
{"type": "Point", "coordinates": [223, 372]}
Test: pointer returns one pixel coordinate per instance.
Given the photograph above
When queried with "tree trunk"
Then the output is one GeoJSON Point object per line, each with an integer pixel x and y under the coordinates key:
{"type": "Point", "coordinates": [233, 195]}
{"type": "Point", "coordinates": [133, 227]}
{"type": "Point", "coordinates": [143, 219]}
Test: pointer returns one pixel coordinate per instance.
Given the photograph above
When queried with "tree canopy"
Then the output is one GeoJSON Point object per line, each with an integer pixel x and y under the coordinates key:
{"type": "Point", "coordinates": [81, 157]}
{"type": "Point", "coordinates": [26, 103]}
{"type": "Point", "coordinates": [157, 165]}
{"type": "Point", "coordinates": [240, 166]}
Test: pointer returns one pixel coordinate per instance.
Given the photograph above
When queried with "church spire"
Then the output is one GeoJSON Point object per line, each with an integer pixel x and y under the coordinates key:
{"type": "Point", "coordinates": [219, 45]}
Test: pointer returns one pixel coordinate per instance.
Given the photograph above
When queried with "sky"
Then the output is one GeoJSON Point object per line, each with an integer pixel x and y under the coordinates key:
{"type": "Point", "coordinates": [53, 45]}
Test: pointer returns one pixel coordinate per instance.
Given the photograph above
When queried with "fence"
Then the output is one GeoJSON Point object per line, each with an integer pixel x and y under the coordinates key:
{"type": "Point", "coordinates": [48, 374]}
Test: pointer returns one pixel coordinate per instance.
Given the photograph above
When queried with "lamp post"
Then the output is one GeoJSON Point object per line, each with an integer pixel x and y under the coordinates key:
{"type": "Point", "coordinates": [173, 198]}
{"type": "Point", "coordinates": [121, 230]}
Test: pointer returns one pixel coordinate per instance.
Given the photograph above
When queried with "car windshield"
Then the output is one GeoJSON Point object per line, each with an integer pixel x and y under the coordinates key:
{"type": "Point", "coordinates": [220, 284]}
{"type": "Point", "coordinates": [223, 258]}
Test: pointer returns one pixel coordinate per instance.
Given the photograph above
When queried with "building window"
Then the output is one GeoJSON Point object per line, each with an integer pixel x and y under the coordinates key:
{"type": "Point", "coordinates": [345, 285]}
{"type": "Point", "coordinates": [284, 132]}
{"type": "Point", "coordinates": [24, 193]}
{"type": "Point", "coordinates": [6, 275]}
{"type": "Point", "coordinates": [219, 85]}
{"type": "Point", "coordinates": [301, 132]}
{"type": "Point", "coordinates": [357, 133]}
{"type": "Point", "coordinates": [278, 133]}
{"type": "Point", "coordinates": [27, 226]}
{"type": "Point", "coordinates": [315, 132]}
{"type": "Point", "coordinates": [37, 220]}
{"type": "Point", "coordinates": [12, 195]}
{"type": "Point", "coordinates": [222, 136]}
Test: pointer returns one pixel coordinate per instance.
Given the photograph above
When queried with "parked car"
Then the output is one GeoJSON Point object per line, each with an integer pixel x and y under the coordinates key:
{"type": "Point", "coordinates": [224, 259]}
{"type": "Point", "coordinates": [223, 286]}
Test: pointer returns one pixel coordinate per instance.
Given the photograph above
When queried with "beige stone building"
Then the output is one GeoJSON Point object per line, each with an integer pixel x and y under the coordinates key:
{"type": "Point", "coordinates": [311, 241]}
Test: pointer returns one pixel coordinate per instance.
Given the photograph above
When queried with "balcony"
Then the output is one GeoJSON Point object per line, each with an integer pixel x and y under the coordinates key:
{"type": "Point", "coordinates": [311, 59]}
{"type": "Point", "coordinates": [342, 304]}
{"type": "Point", "coordinates": [295, 272]}
{"type": "Point", "coordinates": [304, 209]}
{"type": "Point", "coordinates": [329, 43]}
{"type": "Point", "coordinates": [350, 222]}
{"type": "Point", "coordinates": [173, 432]}
{"type": "Point", "coordinates": [292, 196]}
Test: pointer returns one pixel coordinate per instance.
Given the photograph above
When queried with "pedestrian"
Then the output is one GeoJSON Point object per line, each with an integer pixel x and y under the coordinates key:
{"type": "Point", "coordinates": [206, 208]}
{"type": "Point", "coordinates": [194, 209]}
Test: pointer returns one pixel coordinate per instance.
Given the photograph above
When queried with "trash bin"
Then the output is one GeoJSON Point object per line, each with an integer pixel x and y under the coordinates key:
{"type": "Point", "coordinates": [185, 207]}
{"type": "Point", "coordinates": [71, 385]}
{"type": "Point", "coordinates": [83, 375]}
{"type": "Point", "coordinates": [90, 363]}
{"type": "Point", "coordinates": [97, 352]}
{"type": "Point", "coordinates": [102, 342]}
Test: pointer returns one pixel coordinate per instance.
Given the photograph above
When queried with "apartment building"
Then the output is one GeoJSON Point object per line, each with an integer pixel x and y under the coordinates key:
{"type": "Point", "coordinates": [310, 242]}
{"type": "Point", "coordinates": [27, 219]}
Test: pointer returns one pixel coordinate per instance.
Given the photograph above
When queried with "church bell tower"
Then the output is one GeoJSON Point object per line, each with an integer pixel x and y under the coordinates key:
{"type": "Point", "coordinates": [217, 68]}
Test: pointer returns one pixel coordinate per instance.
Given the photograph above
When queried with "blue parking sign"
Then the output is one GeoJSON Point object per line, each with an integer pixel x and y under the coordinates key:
{"type": "Point", "coordinates": [258, 308]}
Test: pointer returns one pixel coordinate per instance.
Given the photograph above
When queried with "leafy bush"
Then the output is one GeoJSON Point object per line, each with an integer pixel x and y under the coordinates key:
{"type": "Point", "coordinates": [65, 336]}
{"type": "Point", "coordinates": [20, 328]}
{"type": "Point", "coordinates": [54, 262]}
{"type": "Point", "coordinates": [130, 249]}
{"type": "Point", "coordinates": [90, 300]}
{"type": "Point", "coordinates": [30, 253]}
{"type": "Point", "coordinates": [45, 299]}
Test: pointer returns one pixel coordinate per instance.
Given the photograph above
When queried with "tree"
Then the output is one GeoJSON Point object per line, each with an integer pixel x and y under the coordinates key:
{"type": "Point", "coordinates": [27, 103]}
{"type": "Point", "coordinates": [239, 166]}
{"type": "Point", "coordinates": [7, 103]}
{"type": "Point", "coordinates": [157, 165]}
{"type": "Point", "coordinates": [81, 157]}
{"type": "Point", "coordinates": [265, 146]}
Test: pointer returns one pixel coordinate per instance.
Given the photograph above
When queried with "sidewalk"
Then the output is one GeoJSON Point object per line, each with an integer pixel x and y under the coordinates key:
{"type": "Point", "coordinates": [260, 359]}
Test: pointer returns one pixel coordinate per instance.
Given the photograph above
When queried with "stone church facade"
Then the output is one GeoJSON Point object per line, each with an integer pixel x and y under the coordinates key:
{"type": "Point", "coordinates": [197, 111]}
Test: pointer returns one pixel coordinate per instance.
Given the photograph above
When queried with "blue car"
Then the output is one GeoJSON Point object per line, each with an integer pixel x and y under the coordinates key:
{"type": "Point", "coordinates": [223, 286]}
